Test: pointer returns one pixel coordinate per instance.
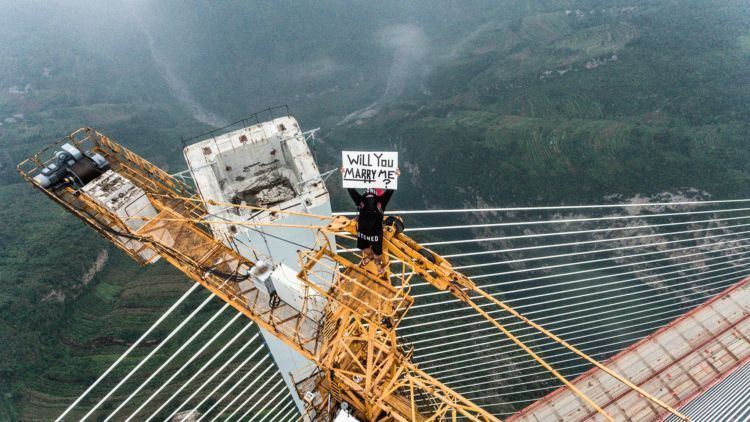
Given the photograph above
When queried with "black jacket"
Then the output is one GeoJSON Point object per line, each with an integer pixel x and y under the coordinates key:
{"type": "Point", "coordinates": [371, 208]}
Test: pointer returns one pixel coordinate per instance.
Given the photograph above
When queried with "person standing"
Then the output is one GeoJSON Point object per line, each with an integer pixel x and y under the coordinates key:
{"type": "Point", "coordinates": [371, 208]}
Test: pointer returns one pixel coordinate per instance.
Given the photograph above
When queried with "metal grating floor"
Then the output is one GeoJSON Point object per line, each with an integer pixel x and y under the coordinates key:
{"type": "Point", "coordinates": [727, 400]}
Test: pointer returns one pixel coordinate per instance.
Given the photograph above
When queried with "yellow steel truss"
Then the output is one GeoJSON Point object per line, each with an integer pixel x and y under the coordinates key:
{"type": "Point", "coordinates": [354, 344]}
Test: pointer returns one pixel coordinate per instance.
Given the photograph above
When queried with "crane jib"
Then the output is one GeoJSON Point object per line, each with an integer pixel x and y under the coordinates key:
{"type": "Point", "coordinates": [352, 339]}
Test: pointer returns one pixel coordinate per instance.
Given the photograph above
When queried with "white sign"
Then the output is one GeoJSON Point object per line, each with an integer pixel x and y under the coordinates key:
{"type": "Point", "coordinates": [364, 169]}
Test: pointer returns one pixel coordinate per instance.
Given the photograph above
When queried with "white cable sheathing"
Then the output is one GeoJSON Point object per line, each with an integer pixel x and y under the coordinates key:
{"type": "Point", "coordinates": [539, 336]}
{"type": "Point", "coordinates": [130, 349]}
{"type": "Point", "coordinates": [226, 379]}
{"type": "Point", "coordinates": [567, 255]}
{"type": "Point", "coordinates": [206, 365]}
{"type": "Point", "coordinates": [286, 416]}
{"type": "Point", "coordinates": [516, 365]}
{"type": "Point", "coordinates": [469, 324]}
{"type": "Point", "coordinates": [484, 364]}
{"type": "Point", "coordinates": [559, 207]}
{"type": "Point", "coordinates": [727, 400]}
{"type": "Point", "coordinates": [744, 271]}
{"type": "Point", "coordinates": [553, 320]}
{"type": "Point", "coordinates": [617, 339]}
{"type": "Point", "coordinates": [250, 397]}
{"type": "Point", "coordinates": [456, 365]}
{"type": "Point", "coordinates": [560, 275]}
{"type": "Point", "coordinates": [543, 268]}
{"type": "Point", "coordinates": [564, 244]}
{"type": "Point", "coordinates": [577, 232]}
{"type": "Point", "coordinates": [186, 364]}
{"type": "Point", "coordinates": [576, 312]}
{"type": "Point", "coordinates": [152, 353]}
{"type": "Point", "coordinates": [471, 355]}
{"type": "Point", "coordinates": [734, 263]}
{"type": "Point", "coordinates": [233, 387]}
{"type": "Point", "coordinates": [492, 370]}
{"type": "Point", "coordinates": [561, 368]}
{"type": "Point", "coordinates": [538, 278]}
{"type": "Point", "coordinates": [721, 284]}
{"type": "Point", "coordinates": [571, 220]}
{"type": "Point", "coordinates": [260, 400]}
{"type": "Point", "coordinates": [739, 409]}
{"type": "Point", "coordinates": [578, 243]}
{"type": "Point", "coordinates": [589, 319]}
{"type": "Point", "coordinates": [291, 416]}
{"type": "Point", "coordinates": [282, 412]}
{"type": "Point", "coordinates": [588, 252]}
{"type": "Point", "coordinates": [588, 350]}
{"type": "Point", "coordinates": [495, 396]}
{"type": "Point", "coordinates": [612, 283]}
{"type": "Point", "coordinates": [272, 400]}
{"type": "Point", "coordinates": [164, 364]}
{"type": "Point", "coordinates": [243, 391]}
{"type": "Point", "coordinates": [556, 365]}
{"type": "Point", "coordinates": [593, 261]}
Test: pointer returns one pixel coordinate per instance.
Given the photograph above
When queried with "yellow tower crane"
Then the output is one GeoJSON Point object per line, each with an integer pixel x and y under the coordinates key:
{"type": "Point", "coordinates": [360, 360]}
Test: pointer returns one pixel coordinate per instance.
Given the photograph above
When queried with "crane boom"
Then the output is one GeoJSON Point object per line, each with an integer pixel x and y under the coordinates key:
{"type": "Point", "coordinates": [346, 317]}
{"type": "Point", "coordinates": [354, 345]}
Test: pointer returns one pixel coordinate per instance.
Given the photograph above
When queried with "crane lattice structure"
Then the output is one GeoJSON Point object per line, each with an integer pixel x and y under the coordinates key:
{"type": "Point", "coordinates": [360, 359]}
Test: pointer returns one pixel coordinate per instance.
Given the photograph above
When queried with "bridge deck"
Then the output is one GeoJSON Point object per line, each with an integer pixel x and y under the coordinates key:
{"type": "Point", "coordinates": [676, 363]}
{"type": "Point", "coordinates": [727, 400]}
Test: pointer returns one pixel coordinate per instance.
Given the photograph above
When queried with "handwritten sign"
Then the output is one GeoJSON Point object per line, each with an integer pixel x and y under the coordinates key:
{"type": "Point", "coordinates": [370, 169]}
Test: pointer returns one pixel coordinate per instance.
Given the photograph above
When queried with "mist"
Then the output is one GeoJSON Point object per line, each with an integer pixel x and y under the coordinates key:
{"type": "Point", "coordinates": [180, 90]}
{"type": "Point", "coordinates": [502, 104]}
{"type": "Point", "coordinates": [221, 61]}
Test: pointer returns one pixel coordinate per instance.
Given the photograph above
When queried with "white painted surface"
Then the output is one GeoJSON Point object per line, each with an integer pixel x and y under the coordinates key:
{"type": "Point", "coordinates": [124, 199]}
{"type": "Point", "coordinates": [370, 169]}
{"type": "Point", "coordinates": [267, 165]}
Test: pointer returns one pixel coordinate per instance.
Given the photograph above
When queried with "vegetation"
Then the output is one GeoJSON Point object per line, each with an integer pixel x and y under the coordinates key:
{"type": "Point", "coordinates": [540, 102]}
{"type": "Point", "coordinates": [525, 108]}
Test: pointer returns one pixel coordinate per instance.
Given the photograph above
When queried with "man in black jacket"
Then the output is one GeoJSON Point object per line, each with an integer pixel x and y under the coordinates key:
{"type": "Point", "coordinates": [371, 206]}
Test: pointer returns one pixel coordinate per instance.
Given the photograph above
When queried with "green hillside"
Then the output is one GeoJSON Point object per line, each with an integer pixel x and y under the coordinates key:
{"type": "Point", "coordinates": [500, 103]}
{"type": "Point", "coordinates": [570, 106]}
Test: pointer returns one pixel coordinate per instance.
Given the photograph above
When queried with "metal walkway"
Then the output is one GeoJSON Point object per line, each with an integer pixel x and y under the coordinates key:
{"type": "Point", "coordinates": [727, 400]}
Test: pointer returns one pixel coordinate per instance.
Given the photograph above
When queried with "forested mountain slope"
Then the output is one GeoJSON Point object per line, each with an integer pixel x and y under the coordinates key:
{"type": "Point", "coordinates": [499, 103]}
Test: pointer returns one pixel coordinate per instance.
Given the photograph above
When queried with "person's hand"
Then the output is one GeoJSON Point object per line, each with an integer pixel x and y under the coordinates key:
{"type": "Point", "coordinates": [342, 169]}
{"type": "Point", "coordinates": [398, 171]}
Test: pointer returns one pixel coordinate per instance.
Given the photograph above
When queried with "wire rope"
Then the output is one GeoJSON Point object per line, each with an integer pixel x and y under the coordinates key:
{"type": "Point", "coordinates": [206, 365]}
{"type": "Point", "coordinates": [559, 207]}
{"type": "Point", "coordinates": [151, 354]}
{"type": "Point", "coordinates": [190, 361]}
{"type": "Point", "coordinates": [137, 343]}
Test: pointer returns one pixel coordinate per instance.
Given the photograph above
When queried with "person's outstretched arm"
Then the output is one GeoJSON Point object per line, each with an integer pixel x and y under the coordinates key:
{"type": "Point", "coordinates": [355, 196]}
{"type": "Point", "coordinates": [386, 197]}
